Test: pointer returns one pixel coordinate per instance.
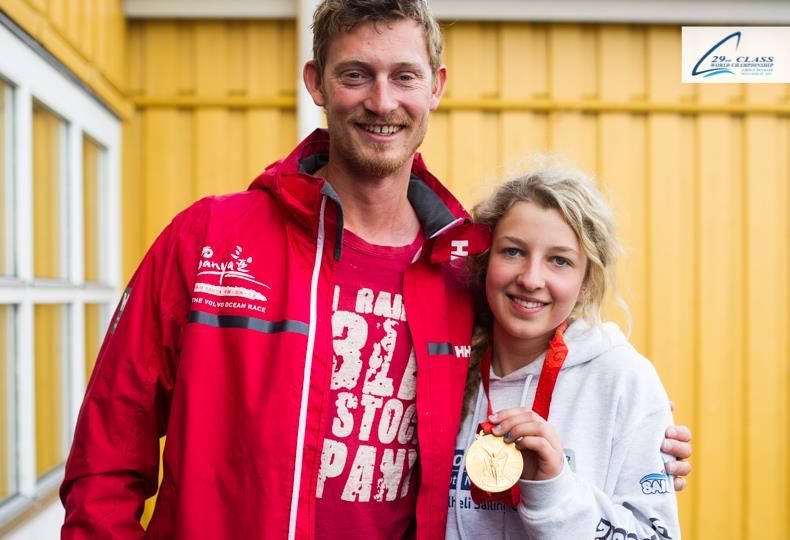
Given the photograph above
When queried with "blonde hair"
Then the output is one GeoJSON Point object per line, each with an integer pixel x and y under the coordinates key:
{"type": "Point", "coordinates": [333, 17]}
{"type": "Point", "coordinates": [573, 194]}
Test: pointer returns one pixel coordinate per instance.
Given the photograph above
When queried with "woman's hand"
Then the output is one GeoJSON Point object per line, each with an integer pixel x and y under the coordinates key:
{"type": "Point", "coordinates": [538, 441]}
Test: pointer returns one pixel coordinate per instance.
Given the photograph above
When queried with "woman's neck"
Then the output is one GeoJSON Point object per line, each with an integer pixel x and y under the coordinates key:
{"type": "Point", "coordinates": [511, 354]}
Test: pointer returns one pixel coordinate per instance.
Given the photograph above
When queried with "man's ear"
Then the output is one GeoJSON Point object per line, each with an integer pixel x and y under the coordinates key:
{"type": "Point", "coordinates": [314, 83]}
{"type": "Point", "coordinates": [439, 81]}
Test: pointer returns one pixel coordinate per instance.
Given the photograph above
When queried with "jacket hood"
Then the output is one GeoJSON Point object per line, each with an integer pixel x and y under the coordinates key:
{"type": "Point", "coordinates": [585, 344]}
{"type": "Point", "coordinates": [291, 181]}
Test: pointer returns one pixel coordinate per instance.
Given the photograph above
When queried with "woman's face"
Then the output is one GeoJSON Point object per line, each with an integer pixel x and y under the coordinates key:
{"type": "Point", "coordinates": [535, 273]}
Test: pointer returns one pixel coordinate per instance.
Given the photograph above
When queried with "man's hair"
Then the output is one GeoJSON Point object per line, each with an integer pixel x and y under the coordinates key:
{"type": "Point", "coordinates": [333, 17]}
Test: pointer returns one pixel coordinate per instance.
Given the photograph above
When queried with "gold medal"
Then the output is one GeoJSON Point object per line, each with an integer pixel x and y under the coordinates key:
{"type": "Point", "coordinates": [492, 464]}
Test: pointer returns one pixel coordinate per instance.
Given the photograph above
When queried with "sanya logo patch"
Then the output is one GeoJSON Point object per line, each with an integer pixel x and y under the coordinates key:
{"type": "Point", "coordinates": [237, 267]}
{"type": "Point", "coordinates": [656, 483]}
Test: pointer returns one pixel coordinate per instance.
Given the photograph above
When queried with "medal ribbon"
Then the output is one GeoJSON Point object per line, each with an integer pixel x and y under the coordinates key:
{"type": "Point", "coordinates": [555, 357]}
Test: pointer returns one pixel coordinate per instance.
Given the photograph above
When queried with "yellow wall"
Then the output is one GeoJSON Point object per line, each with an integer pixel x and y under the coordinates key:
{"type": "Point", "coordinates": [215, 106]}
{"type": "Point", "coordinates": [698, 174]}
{"type": "Point", "coordinates": [88, 36]}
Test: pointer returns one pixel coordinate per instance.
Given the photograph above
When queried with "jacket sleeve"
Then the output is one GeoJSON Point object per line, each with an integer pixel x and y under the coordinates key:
{"type": "Point", "coordinates": [114, 459]}
{"type": "Point", "coordinates": [639, 502]}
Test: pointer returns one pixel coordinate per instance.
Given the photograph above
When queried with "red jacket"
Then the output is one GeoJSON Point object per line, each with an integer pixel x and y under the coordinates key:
{"type": "Point", "coordinates": [223, 343]}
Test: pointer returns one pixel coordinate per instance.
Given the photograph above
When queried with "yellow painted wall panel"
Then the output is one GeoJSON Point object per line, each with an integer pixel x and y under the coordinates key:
{"type": "Point", "coordinates": [766, 376]}
{"type": "Point", "coordinates": [472, 60]}
{"type": "Point", "coordinates": [672, 258]}
{"type": "Point", "coordinates": [238, 50]}
{"type": "Point", "coordinates": [6, 389]}
{"type": "Point", "coordinates": [168, 151]}
{"type": "Point", "coordinates": [620, 46]}
{"type": "Point", "coordinates": [434, 147]}
{"type": "Point", "coordinates": [216, 155]}
{"type": "Point", "coordinates": [720, 325]}
{"type": "Point", "coordinates": [524, 72]}
{"type": "Point", "coordinates": [572, 54]}
{"type": "Point", "coordinates": [132, 196]}
{"type": "Point", "coordinates": [622, 158]}
{"type": "Point", "coordinates": [87, 36]}
{"type": "Point", "coordinates": [211, 47]}
{"type": "Point", "coordinates": [264, 62]}
{"type": "Point", "coordinates": [663, 66]}
{"type": "Point", "coordinates": [522, 134]}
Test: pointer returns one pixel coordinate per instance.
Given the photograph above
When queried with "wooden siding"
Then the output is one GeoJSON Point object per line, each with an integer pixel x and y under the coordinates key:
{"type": "Point", "coordinates": [87, 36]}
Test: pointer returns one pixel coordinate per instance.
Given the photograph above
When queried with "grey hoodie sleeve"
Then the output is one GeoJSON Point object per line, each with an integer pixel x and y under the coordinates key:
{"type": "Point", "coordinates": [638, 501]}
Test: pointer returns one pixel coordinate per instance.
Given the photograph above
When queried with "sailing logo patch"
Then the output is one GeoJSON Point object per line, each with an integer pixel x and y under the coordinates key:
{"type": "Point", "coordinates": [656, 483]}
{"type": "Point", "coordinates": [229, 277]}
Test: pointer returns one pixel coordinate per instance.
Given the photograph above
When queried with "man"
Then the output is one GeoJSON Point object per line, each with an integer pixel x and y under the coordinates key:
{"type": "Point", "coordinates": [266, 332]}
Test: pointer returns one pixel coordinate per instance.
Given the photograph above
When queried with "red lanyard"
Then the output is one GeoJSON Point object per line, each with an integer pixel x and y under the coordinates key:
{"type": "Point", "coordinates": [555, 357]}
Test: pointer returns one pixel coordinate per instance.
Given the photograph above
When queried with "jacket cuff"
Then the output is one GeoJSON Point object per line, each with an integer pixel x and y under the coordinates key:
{"type": "Point", "coordinates": [540, 496]}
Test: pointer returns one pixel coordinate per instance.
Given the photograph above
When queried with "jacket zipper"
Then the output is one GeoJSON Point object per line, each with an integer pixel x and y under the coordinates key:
{"type": "Point", "coordinates": [308, 364]}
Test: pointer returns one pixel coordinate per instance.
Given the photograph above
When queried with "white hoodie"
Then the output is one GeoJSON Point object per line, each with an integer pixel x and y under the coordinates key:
{"type": "Point", "coordinates": [611, 411]}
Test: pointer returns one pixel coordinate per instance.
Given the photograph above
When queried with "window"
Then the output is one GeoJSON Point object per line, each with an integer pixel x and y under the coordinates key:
{"type": "Point", "coordinates": [59, 262]}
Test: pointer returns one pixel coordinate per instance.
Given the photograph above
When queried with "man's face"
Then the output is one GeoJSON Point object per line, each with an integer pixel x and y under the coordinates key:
{"type": "Point", "coordinates": [377, 89]}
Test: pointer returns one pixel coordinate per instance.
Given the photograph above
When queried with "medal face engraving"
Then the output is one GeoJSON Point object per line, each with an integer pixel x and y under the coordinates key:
{"type": "Point", "coordinates": [492, 464]}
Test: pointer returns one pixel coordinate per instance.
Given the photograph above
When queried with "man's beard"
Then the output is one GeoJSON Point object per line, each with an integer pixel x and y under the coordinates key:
{"type": "Point", "coordinates": [378, 166]}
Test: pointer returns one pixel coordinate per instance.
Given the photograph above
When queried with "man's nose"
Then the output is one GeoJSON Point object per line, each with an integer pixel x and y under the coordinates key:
{"type": "Point", "coordinates": [381, 100]}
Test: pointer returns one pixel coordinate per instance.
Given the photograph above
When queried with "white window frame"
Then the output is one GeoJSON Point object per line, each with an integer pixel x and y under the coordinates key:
{"type": "Point", "coordinates": [34, 76]}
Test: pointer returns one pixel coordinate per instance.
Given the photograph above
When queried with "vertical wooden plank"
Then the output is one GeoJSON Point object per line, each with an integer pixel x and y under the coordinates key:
{"type": "Point", "coordinates": [135, 51]}
{"type": "Point", "coordinates": [133, 191]}
{"type": "Point", "coordinates": [86, 25]}
{"type": "Point", "coordinates": [57, 15]}
{"type": "Point", "coordinates": [622, 168]}
{"type": "Point", "coordinates": [264, 74]}
{"type": "Point", "coordinates": [73, 10]}
{"type": "Point", "coordinates": [238, 50]}
{"type": "Point", "coordinates": [161, 58]}
{"type": "Point", "coordinates": [524, 75]}
{"type": "Point", "coordinates": [434, 147]}
{"type": "Point", "coordinates": [767, 365]}
{"type": "Point", "coordinates": [473, 145]}
{"type": "Point", "coordinates": [290, 70]}
{"type": "Point", "coordinates": [167, 168]}
{"type": "Point", "coordinates": [572, 61]}
{"type": "Point", "coordinates": [211, 58]}
{"type": "Point", "coordinates": [719, 326]}
{"type": "Point", "coordinates": [212, 128]}
{"type": "Point", "coordinates": [263, 63]}
{"type": "Point", "coordinates": [235, 177]}
{"type": "Point", "coordinates": [212, 68]}
{"type": "Point", "coordinates": [671, 209]}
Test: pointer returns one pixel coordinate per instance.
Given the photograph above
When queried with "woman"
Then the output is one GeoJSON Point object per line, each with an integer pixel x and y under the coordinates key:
{"type": "Point", "coordinates": [567, 394]}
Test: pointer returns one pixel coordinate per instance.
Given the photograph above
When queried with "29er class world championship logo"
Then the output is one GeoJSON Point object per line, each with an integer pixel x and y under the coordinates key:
{"type": "Point", "coordinates": [735, 55]}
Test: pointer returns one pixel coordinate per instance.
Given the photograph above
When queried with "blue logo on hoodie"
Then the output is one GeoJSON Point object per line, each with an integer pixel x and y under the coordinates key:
{"type": "Point", "coordinates": [656, 483]}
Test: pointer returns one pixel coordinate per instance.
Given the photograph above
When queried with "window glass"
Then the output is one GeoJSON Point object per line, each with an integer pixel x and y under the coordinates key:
{"type": "Point", "coordinates": [92, 205]}
{"type": "Point", "coordinates": [6, 206]}
{"type": "Point", "coordinates": [7, 408]}
{"type": "Point", "coordinates": [51, 385]}
{"type": "Point", "coordinates": [49, 195]}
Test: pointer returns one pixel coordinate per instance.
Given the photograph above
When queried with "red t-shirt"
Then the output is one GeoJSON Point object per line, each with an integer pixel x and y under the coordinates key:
{"type": "Point", "coordinates": [367, 481]}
